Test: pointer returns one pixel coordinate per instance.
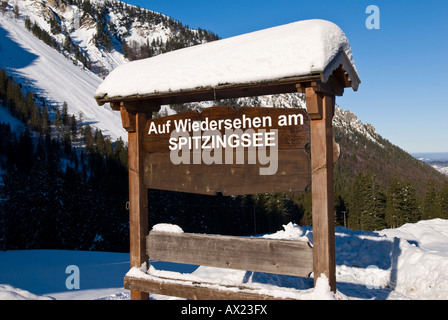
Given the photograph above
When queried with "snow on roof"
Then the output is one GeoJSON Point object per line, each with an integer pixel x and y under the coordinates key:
{"type": "Point", "coordinates": [304, 48]}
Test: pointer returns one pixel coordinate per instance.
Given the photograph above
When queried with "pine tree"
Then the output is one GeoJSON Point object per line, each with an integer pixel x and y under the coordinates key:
{"type": "Point", "coordinates": [401, 206]}
{"type": "Point", "coordinates": [88, 137]}
{"type": "Point", "coordinates": [410, 207]}
{"type": "Point", "coordinates": [100, 143]}
{"type": "Point", "coordinates": [431, 204]}
{"type": "Point", "coordinates": [367, 203]}
{"type": "Point", "coordinates": [74, 128]}
{"type": "Point", "coordinates": [3, 83]}
{"type": "Point", "coordinates": [46, 128]}
{"type": "Point", "coordinates": [372, 217]}
{"type": "Point", "coordinates": [64, 114]}
{"type": "Point", "coordinates": [58, 122]}
{"type": "Point", "coordinates": [394, 204]}
{"type": "Point", "coordinates": [444, 201]}
{"type": "Point", "coordinates": [356, 202]}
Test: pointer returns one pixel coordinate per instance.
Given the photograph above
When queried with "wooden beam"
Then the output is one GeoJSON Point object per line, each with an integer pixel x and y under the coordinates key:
{"type": "Point", "coordinates": [314, 103]}
{"type": "Point", "coordinates": [322, 184]}
{"type": "Point", "coordinates": [138, 196]}
{"type": "Point", "coordinates": [287, 257]}
{"type": "Point", "coordinates": [226, 91]}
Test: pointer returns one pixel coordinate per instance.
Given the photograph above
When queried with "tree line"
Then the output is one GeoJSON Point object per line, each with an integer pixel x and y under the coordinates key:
{"type": "Point", "coordinates": [371, 207]}
{"type": "Point", "coordinates": [64, 185]}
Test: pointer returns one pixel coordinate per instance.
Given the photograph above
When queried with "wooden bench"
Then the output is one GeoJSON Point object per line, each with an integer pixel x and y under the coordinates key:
{"type": "Point", "coordinates": [286, 257]}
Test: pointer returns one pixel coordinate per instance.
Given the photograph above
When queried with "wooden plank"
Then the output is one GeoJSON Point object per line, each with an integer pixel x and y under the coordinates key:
{"type": "Point", "coordinates": [293, 174]}
{"type": "Point", "coordinates": [138, 198]}
{"type": "Point", "coordinates": [194, 291]}
{"type": "Point", "coordinates": [288, 162]}
{"type": "Point", "coordinates": [225, 91]}
{"type": "Point", "coordinates": [252, 254]}
{"type": "Point", "coordinates": [289, 136]}
{"type": "Point", "coordinates": [322, 150]}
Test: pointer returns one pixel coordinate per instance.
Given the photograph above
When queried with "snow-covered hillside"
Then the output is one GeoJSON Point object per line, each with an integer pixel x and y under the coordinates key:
{"type": "Point", "coordinates": [42, 69]}
{"type": "Point", "coordinates": [410, 262]}
{"type": "Point", "coordinates": [59, 77]}
{"type": "Point", "coordinates": [442, 167]}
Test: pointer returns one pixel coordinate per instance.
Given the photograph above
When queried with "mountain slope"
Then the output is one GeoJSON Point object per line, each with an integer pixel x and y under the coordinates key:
{"type": "Point", "coordinates": [363, 149]}
{"type": "Point", "coordinates": [44, 70]}
{"type": "Point", "coordinates": [87, 41]}
{"type": "Point", "coordinates": [393, 264]}
{"type": "Point", "coordinates": [63, 72]}
{"type": "Point", "coordinates": [59, 77]}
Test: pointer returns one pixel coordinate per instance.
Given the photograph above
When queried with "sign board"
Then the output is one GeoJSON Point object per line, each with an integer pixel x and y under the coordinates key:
{"type": "Point", "coordinates": [234, 152]}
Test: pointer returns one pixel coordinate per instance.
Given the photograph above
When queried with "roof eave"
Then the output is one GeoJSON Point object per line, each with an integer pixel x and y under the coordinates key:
{"type": "Point", "coordinates": [351, 78]}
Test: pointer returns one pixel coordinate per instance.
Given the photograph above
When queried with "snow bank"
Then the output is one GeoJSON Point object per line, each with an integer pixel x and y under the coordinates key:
{"type": "Point", "coordinates": [421, 271]}
{"type": "Point", "coordinates": [243, 281]}
{"type": "Point", "coordinates": [292, 50]}
{"type": "Point", "coordinates": [410, 262]}
{"type": "Point", "coordinates": [292, 231]}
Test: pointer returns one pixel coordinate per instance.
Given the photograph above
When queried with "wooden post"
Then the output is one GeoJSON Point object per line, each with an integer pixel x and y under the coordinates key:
{"type": "Point", "coordinates": [320, 107]}
{"type": "Point", "coordinates": [135, 123]}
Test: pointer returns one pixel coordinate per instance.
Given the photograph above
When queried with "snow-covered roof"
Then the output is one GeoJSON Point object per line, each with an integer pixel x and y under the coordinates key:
{"type": "Point", "coordinates": [299, 50]}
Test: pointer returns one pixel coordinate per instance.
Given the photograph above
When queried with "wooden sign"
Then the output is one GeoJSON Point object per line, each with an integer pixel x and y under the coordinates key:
{"type": "Point", "coordinates": [233, 152]}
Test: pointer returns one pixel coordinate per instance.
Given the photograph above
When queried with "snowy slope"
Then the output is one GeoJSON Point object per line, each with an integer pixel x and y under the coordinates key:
{"type": "Point", "coordinates": [410, 262]}
{"type": "Point", "coordinates": [42, 69]}
{"type": "Point", "coordinates": [441, 166]}
{"type": "Point", "coordinates": [58, 79]}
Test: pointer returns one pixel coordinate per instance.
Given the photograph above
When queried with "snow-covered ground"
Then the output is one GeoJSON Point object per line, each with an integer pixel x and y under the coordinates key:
{"type": "Point", "coordinates": [410, 262]}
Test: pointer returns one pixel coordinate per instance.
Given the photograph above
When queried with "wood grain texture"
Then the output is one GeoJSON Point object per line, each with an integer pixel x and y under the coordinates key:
{"type": "Point", "coordinates": [287, 257]}
{"type": "Point", "coordinates": [233, 177]}
{"type": "Point", "coordinates": [322, 153]}
{"type": "Point", "coordinates": [138, 197]}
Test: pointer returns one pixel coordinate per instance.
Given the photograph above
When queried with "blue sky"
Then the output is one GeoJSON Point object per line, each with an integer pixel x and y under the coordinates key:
{"type": "Point", "coordinates": [403, 65]}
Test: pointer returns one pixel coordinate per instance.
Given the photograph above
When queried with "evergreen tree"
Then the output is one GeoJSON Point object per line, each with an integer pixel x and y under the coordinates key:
{"type": "Point", "coordinates": [444, 201]}
{"type": "Point", "coordinates": [356, 202]}
{"type": "Point", "coordinates": [367, 203]}
{"type": "Point", "coordinates": [372, 217]}
{"type": "Point", "coordinates": [46, 128]}
{"type": "Point", "coordinates": [64, 114]}
{"type": "Point", "coordinates": [410, 207]}
{"type": "Point", "coordinates": [100, 143]}
{"type": "Point", "coordinates": [3, 83]}
{"type": "Point", "coordinates": [401, 206]}
{"type": "Point", "coordinates": [74, 128]}
{"type": "Point", "coordinates": [431, 204]}
{"type": "Point", "coordinates": [58, 122]}
{"type": "Point", "coordinates": [88, 137]}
